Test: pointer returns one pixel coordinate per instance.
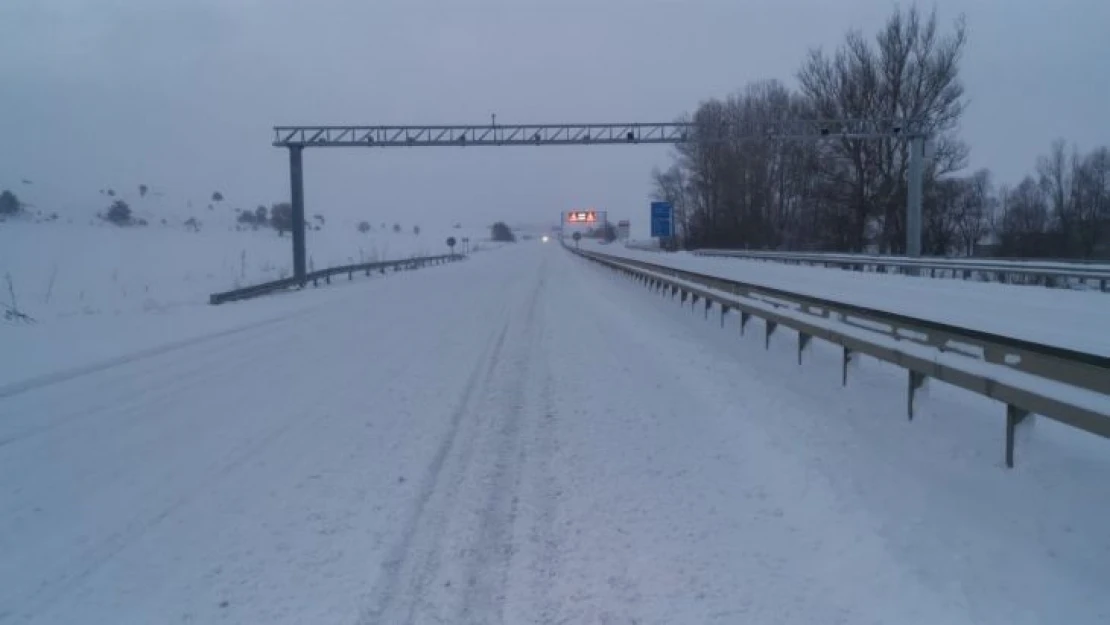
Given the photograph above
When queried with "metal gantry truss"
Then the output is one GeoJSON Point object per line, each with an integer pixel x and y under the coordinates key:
{"type": "Point", "coordinates": [586, 134]}
{"type": "Point", "coordinates": [296, 138]}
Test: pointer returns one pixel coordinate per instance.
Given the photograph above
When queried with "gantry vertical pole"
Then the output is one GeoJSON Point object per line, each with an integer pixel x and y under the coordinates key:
{"type": "Point", "coordinates": [296, 186]}
{"type": "Point", "coordinates": [913, 195]}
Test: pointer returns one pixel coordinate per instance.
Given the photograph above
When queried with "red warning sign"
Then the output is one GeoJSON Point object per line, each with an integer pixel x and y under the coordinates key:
{"type": "Point", "coordinates": [582, 217]}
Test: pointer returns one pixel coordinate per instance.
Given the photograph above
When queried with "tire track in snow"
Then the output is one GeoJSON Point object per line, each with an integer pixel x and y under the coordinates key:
{"type": "Point", "coordinates": [173, 384]}
{"type": "Point", "coordinates": [443, 568]}
{"type": "Point", "coordinates": [161, 383]}
{"type": "Point", "coordinates": [487, 569]}
{"type": "Point", "coordinates": [408, 566]}
{"type": "Point", "coordinates": [49, 379]}
{"type": "Point", "coordinates": [199, 359]}
{"type": "Point", "coordinates": [103, 552]}
{"type": "Point", "coordinates": [535, 564]}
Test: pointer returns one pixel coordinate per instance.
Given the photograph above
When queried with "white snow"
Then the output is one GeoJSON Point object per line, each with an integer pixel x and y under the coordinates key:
{"type": "Point", "coordinates": [525, 437]}
{"type": "Point", "coordinates": [100, 291]}
{"type": "Point", "coordinates": [1017, 264]}
{"type": "Point", "coordinates": [62, 270]}
{"type": "Point", "coordinates": [1078, 320]}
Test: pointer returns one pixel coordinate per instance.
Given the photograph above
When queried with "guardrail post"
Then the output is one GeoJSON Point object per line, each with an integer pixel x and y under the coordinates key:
{"type": "Point", "coordinates": [744, 317]}
{"type": "Point", "coordinates": [803, 340]}
{"type": "Point", "coordinates": [915, 381]}
{"type": "Point", "coordinates": [708, 305]}
{"type": "Point", "coordinates": [327, 278]}
{"type": "Point", "coordinates": [1014, 416]}
{"type": "Point", "coordinates": [768, 329]}
{"type": "Point", "coordinates": [682, 297]}
{"type": "Point", "coordinates": [724, 311]}
{"type": "Point", "coordinates": [845, 360]}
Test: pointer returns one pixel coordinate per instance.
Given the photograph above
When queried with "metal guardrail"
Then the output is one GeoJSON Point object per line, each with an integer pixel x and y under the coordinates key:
{"type": "Point", "coordinates": [326, 274]}
{"type": "Point", "coordinates": [1045, 273]}
{"type": "Point", "coordinates": [1068, 386]}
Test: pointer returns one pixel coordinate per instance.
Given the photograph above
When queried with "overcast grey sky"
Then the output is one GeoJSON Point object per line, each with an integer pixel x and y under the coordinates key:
{"type": "Point", "coordinates": [181, 94]}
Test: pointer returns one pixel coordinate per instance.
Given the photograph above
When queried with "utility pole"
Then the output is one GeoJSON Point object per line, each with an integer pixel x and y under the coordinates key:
{"type": "Point", "coordinates": [296, 185]}
{"type": "Point", "coordinates": [915, 182]}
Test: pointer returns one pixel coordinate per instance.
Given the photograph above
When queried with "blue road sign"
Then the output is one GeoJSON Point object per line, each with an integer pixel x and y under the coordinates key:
{"type": "Point", "coordinates": [662, 219]}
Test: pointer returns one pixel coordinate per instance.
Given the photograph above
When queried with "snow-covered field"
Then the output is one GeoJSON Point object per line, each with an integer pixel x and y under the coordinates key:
{"type": "Point", "coordinates": [61, 270]}
{"type": "Point", "coordinates": [525, 437]}
{"type": "Point", "coordinates": [1078, 320]}
{"type": "Point", "coordinates": [97, 291]}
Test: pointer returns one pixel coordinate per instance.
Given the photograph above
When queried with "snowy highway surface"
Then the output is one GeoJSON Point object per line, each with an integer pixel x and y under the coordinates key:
{"type": "Point", "coordinates": [526, 437]}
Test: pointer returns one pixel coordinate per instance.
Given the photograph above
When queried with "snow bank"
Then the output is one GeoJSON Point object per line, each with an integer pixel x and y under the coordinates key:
{"type": "Point", "coordinates": [1076, 320]}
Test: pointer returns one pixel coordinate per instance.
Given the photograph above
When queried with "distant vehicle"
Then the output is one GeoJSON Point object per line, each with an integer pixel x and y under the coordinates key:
{"type": "Point", "coordinates": [544, 238]}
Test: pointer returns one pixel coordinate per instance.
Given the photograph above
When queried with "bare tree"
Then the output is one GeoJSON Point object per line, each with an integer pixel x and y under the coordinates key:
{"type": "Point", "coordinates": [1092, 201]}
{"type": "Point", "coordinates": [1025, 220]}
{"type": "Point", "coordinates": [973, 209]}
{"type": "Point", "coordinates": [1054, 174]}
{"type": "Point", "coordinates": [669, 186]}
{"type": "Point", "coordinates": [731, 189]}
{"type": "Point", "coordinates": [913, 73]}
{"type": "Point", "coordinates": [281, 217]}
{"type": "Point", "coordinates": [9, 203]}
{"type": "Point", "coordinates": [847, 194]}
{"type": "Point", "coordinates": [119, 213]}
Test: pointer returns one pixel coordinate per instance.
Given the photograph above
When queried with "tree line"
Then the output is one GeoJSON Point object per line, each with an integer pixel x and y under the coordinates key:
{"type": "Point", "coordinates": [849, 195]}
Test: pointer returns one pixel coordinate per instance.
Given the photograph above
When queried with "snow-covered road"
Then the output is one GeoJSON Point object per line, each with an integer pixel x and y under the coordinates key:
{"type": "Point", "coordinates": [527, 438]}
